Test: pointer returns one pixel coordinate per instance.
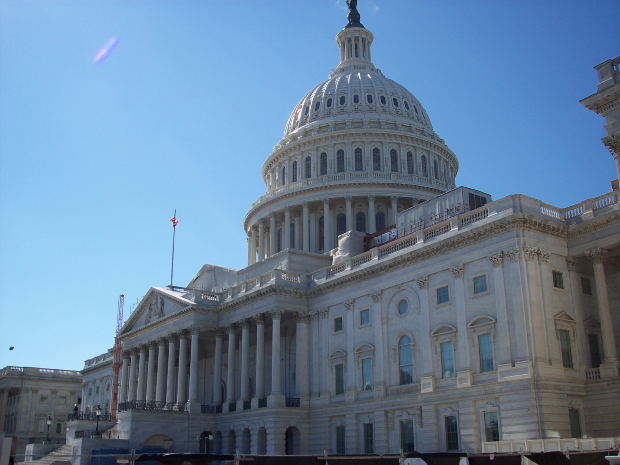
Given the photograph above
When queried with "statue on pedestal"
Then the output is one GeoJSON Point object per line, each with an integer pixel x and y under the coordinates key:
{"type": "Point", "coordinates": [353, 16]}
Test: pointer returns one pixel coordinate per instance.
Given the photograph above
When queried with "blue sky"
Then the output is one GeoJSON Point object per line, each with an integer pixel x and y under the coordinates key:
{"type": "Point", "coordinates": [94, 158]}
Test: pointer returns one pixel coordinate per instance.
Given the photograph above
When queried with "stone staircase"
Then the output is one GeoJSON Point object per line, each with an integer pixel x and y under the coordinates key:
{"type": "Point", "coordinates": [59, 456]}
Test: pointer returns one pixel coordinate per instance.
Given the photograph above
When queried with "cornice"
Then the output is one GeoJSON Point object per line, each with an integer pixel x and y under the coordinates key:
{"type": "Point", "coordinates": [593, 225]}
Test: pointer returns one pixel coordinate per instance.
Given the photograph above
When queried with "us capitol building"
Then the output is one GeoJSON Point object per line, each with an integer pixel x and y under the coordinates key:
{"type": "Point", "coordinates": [383, 308]}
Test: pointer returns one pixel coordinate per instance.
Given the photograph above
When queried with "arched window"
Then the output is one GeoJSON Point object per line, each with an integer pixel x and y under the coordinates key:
{"type": "Point", "coordinates": [342, 100]}
{"type": "Point", "coordinates": [317, 105]}
{"type": "Point", "coordinates": [340, 161]}
{"type": "Point", "coordinates": [279, 240]}
{"type": "Point", "coordinates": [436, 169]}
{"type": "Point", "coordinates": [369, 98]}
{"type": "Point", "coordinates": [393, 161]}
{"type": "Point", "coordinates": [376, 159]}
{"type": "Point", "coordinates": [405, 361]}
{"type": "Point", "coordinates": [424, 167]}
{"type": "Point", "coordinates": [360, 222]}
{"type": "Point", "coordinates": [294, 173]}
{"type": "Point", "coordinates": [403, 307]}
{"type": "Point", "coordinates": [329, 102]}
{"type": "Point", "coordinates": [308, 167]}
{"type": "Point", "coordinates": [323, 163]}
{"type": "Point", "coordinates": [359, 161]}
{"type": "Point", "coordinates": [356, 98]}
{"type": "Point", "coordinates": [395, 102]}
{"type": "Point", "coordinates": [383, 101]}
{"type": "Point", "coordinates": [321, 233]}
{"type": "Point", "coordinates": [341, 224]}
{"type": "Point", "coordinates": [283, 180]}
{"type": "Point", "coordinates": [406, 105]}
{"type": "Point", "coordinates": [292, 235]}
{"type": "Point", "coordinates": [380, 221]}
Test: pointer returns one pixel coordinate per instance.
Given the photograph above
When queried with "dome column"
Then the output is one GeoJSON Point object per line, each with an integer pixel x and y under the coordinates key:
{"type": "Point", "coordinates": [272, 234]}
{"type": "Point", "coordinates": [252, 246]}
{"type": "Point", "coordinates": [304, 227]}
{"type": "Point", "coordinates": [394, 201]}
{"type": "Point", "coordinates": [327, 227]}
{"type": "Point", "coordinates": [287, 229]}
{"type": "Point", "coordinates": [261, 240]}
{"type": "Point", "coordinates": [372, 219]}
{"type": "Point", "coordinates": [349, 213]}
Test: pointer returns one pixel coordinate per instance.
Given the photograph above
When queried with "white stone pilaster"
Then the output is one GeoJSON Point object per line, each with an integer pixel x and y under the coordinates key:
{"type": "Point", "coordinates": [301, 357]}
{"type": "Point", "coordinates": [261, 240]}
{"type": "Point", "coordinates": [286, 230]}
{"type": "Point", "coordinates": [245, 360]}
{"type": "Point", "coordinates": [275, 398]}
{"type": "Point", "coordinates": [273, 245]}
{"type": "Point", "coordinates": [230, 374]}
{"type": "Point", "coordinates": [327, 227]}
{"type": "Point", "coordinates": [260, 358]}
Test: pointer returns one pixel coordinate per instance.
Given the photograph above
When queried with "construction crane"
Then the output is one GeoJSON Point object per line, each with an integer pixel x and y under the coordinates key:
{"type": "Point", "coordinates": [116, 365]}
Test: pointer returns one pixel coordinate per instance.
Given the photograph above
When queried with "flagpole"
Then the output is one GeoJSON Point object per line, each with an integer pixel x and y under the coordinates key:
{"type": "Point", "coordinates": [174, 230]}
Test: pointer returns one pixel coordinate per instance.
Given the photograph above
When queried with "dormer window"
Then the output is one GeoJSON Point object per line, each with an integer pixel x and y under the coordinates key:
{"type": "Point", "coordinates": [343, 99]}
{"type": "Point", "coordinates": [406, 105]}
{"type": "Point", "coordinates": [317, 105]}
{"type": "Point", "coordinates": [356, 98]}
{"type": "Point", "coordinates": [395, 102]}
{"type": "Point", "coordinates": [306, 111]}
{"type": "Point", "coordinates": [329, 102]}
{"type": "Point", "coordinates": [383, 100]}
{"type": "Point", "coordinates": [369, 98]}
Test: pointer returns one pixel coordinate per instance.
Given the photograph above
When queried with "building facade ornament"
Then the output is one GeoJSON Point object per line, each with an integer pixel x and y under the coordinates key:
{"type": "Point", "coordinates": [536, 253]}
{"type": "Point", "coordinates": [597, 254]}
{"type": "Point", "coordinates": [422, 282]}
{"type": "Point", "coordinates": [458, 271]}
{"type": "Point", "coordinates": [376, 297]}
{"type": "Point", "coordinates": [497, 259]}
{"type": "Point", "coordinates": [349, 304]}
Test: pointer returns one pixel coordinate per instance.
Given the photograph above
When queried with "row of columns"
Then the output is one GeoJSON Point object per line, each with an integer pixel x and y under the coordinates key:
{"type": "Point", "coordinates": [267, 244]}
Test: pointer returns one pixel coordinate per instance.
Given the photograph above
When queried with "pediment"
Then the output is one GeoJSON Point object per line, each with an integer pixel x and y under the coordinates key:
{"type": "Point", "coordinates": [338, 354]}
{"type": "Point", "coordinates": [482, 320]}
{"type": "Point", "coordinates": [155, 305]}
{"type": "Point", "coordinates": [563, 316]}
{"type": "Point", "coordinates": [443, 330]}
{"type": "Point", "coordinates": [591, 323]}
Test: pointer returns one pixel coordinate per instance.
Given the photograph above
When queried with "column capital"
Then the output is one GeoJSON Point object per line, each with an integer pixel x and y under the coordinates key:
{"type": "Point", "coordinates": [172, 337]}
{"type": "Point", "coordinates": [571, 264]}
{"type": "Point", "coordinates": [536, 253]}
{"type": "Point", "coordinates": [152, 344]}
{"type": "Point", "coordinates": [597, 254]}
{"type": "Point", "coordinates": [245, 323]}
{"type": "Point", "coordinates": [348, 198]}
{"type": "Point", "coordinates": [259, 319]}
{"type": "Point", "coordinates": [231, 329]}
{"type": "Point", "coordinates": [276, 315]}
{"type": "Point", "coordinates": [371, 198]}
{"type": "Point", "coordinates": [194, 330]}
{"type": "Point", "coordinates": [376, 296]}
{"type": "Point", "coordinates": [349, 304]}
{"type": "Point", "coordinates": [458, 271]}
{"type": "Point", "coordinates": [511, 254]}
{"type": "Point", "coordinates": [497, 260]}
{"type": "Point", "coordinates": [422, 282]}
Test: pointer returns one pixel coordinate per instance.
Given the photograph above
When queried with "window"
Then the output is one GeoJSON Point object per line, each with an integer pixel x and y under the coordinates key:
{"type": "Point", "coordinates": [367, 374]}
{"type": "Point", "coordinates": [317, 105]}
{"type": "Point", "coordinates": [424, 167]}
{"type": "Point", "coordinates": [403, 307]}
{"type": "Point", "coordinates": [416, 109]}
{"type": "Point", "coordinates": [294, 173]}
{"type": "Point", "coordinates": [306, 111]}
{"type": "Point", "coordinates": [97, 390]}
{"type": "Point", "coordinates": [480, 284]}
{"type": "Point", "coordinates": [406, 105]}
{"type": "Point", "coordinates": [340, 161]}
{"type": "Point", "coordinates": [283, 178]}
{"type": "Point", "coordinates": [292, 235]}
{"type": "Point", "coordinates": [409, 163]}
{"type": "Point", "coordinates": [376, 159]}
{"type": "Point", "coordinates": [369, 447]}
{"type": "Point", "coordinates": [452, 433]}
{"type": "Point", "coordinates": [565, 346]}
{"type": "Point", "coordinates": [595, 351]}
{"type": "Point", "coordinates": [279, 240]}
{"type": "Point", "coordinates": [491, 427]}
{"type": "Point", "coordinates": [393, 161]}
{"type": "Point", "coordinates": [356, 98]}
{"type": "Point", "coordinates": [340, 438]}
{"type": "Point", "coordinates": [359, 162]}
{"type": "Point", "coordinates": [339, 369]}
{"type": "Point", "coordinates": [383, 101]}
{"type": "Point", "coordinates": [443, 295]}
{"type": "Point", "coordinates": [485, 351]}
{"type": "Point", "coordinates": [308, 167]}
{"type": "Point", "coordinates": [365, 317]}
{"type": "Point", "coordinates": [58, 428]}
{"type": "Point", "coordinates": [406, 436]}
{"type": "Point", "coordinates": [435, 169]}
{"type": "Point", "coordinates": [321, 233]}
{"type": "Point", "coordinates": [341, 224]}
{"type": "Point", "coordinates": [380, 221]}
{"type": "Point", "coordinates": [395, 102]}
{"type": "Point", "coordinates": [586, 286]}
{"type": "Point", "coordinates": [329, 102]}
{"type": "Point", "coordinates": [558, 280]}
{"type": "Point", "coordinates": [405, 361]}
{"type": "Point", "coordinates": [476, 201]}
{"type": "Point", "coordinates": [342, 100]}
{"type": "Point", "coordinates": [337, 324]}
{"type": "Point", "coordinates": [360, 222]}
{"type": "Point", "coordinates": [575, 423]}
{"type": "Point", "coordinates": [369, 98]}
{"type": "Point", "coordinates": [323, 163]}
{"type": "Point", "coordinates": [447, 360]}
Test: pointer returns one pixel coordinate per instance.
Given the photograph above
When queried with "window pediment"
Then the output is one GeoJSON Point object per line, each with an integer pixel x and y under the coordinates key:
{"type": "Point", "coordinates": [481, 321]}
{"type": "Point", "coordinates": [564, 318]}
{"type": "Point", "coordinates": [443, 330]}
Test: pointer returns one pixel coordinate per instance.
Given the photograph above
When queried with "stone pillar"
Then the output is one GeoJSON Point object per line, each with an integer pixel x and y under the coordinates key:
{"type": "Point", "coordinates": [272, 235]}
{"type": "Point", "coordinates": [170, 378]}
{"type": "Point", "coordinates": [314, 246]}
{"type": "Point", "coordinates": [463, 366]}
{"type": "Point", "coordinates": [427, 382]}
{"type": "Point", "coordinates": [302, 352]}
{"type": "Point", "coordinates": [230, 375]}
{"type": "Point", "coordinates": [503, 340]}
{"type": "Point", "coordinates": [194, 359]}
{"type": "Point", "coordinates": [349, 375]}
{"type": "Point", "coordinates": [576, 298]}
{"type": "Point", "coordinates": [141, 374]}
{"type": "Point", "coordinates": [604, 312]}
{"type": "Point", "coordinates": [327, 227]}
{"type": "Point", "coordinates": [160, 392]}
{"type": "Point", "coordinates": [305, 228]}
{"type": "Point", "coordinates": [182, 377]}
{"type": "Point", "coordinates": [275, 399]}
{"type": "Point", "coordinates": [261, 240]}
{"type": "Point", "coordinates": [349, 213]}
{"type": "Point", "coordinates": [217, 369]}
{"type": "Point", "coordinates": [252, 246]}
{"type": "Point", "coordinates": [245, 361]}
{"type": "Point", "coordinates": [133, 373]}
{"type": "Point", "coordinates": [372, 219]}
{"type": "Point", "coordinates": [260, 358]}
{"type": "Point", "coordinates": [394, 202]}
{"type": "Point", "coordinates": [286, 230]}
{"type": "Point", "coordinates": [379, 381]}
{"type": "Point", "coordinates": [150, 380]}
{"type": "Point", "coordinates": [122, 395]}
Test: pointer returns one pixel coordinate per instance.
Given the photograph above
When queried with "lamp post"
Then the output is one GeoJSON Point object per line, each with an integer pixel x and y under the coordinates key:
{"type": "Point", "coordinates": [49, 422]}
{"type": "Point", "coordinates": [98, 414]}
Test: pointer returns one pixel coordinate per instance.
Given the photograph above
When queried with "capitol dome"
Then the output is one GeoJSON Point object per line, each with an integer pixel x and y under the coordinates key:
{"type": "Point", "coordinates": [356, 149]}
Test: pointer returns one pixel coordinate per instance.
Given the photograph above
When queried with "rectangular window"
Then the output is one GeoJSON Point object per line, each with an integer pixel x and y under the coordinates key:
{"type": "Point", "coordinates": [58, 428]}
{"type": "Point", "coordinates": [365, 317]}
{"type": "Point", "coordinates": [575, 423]}
{"type": "Point", "coordinates": [443, 295]}
{"type": "Point", "coordinates": [565, 346]}
{"type": "Point", "coordinates": [339, 378]}
{"type": "Point", "coordinates": [558, 280]}
{"type": "Point", "coordinates": [340, 444]}
{"type": "Point", "coordinates": [369, 446]}
{"type": "Point", "coordinates": [491, 427]}
{"type": "Point", "coordinates": [338, 324]}
{"type": "Point", "coordinates": [367, 374]}
{"type": "Point", "coordinates": [452, 433]}
{"type": "Point", "coordinates": [480, 284]}
{"type": "Point", "coordinates": [406, 436]}
{"type": "Point", "coordinates": [485, 350]}
{"type": "Point", "coordinates": [447, 360]}
{"type": "Point", "coordinates": [595, 350]}
{"type": "Point", "coordinates": [586, 286]}
{"type": "Point", "coordinates": [476, 201]}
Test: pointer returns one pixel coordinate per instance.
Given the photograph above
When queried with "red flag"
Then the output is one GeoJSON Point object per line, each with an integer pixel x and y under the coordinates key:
{"type": "Point", "coordinates": [174, 220]}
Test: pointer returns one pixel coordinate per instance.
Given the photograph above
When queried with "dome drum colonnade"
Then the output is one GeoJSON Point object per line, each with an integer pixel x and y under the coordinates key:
{"type": "Point", "coordinates": [356, 149]}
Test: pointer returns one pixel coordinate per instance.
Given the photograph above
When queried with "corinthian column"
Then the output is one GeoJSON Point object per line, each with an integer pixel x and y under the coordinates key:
{"type": "Point", "coordinates": [150, 380]}
{"type": "Point", "coordinates": [327, 226]}
{"type": "Point", "coordinates": [141, 374]}
{"type": "Point", "coordinates": [217, 369]}
{"type": "Point", "coordinates": [272, 235]}
{"type": "Point", "coordinates": [133, 372]}
{"type": "Point", "coordinates": [194, 402]}
{"type": "Point", "coordinates": [160, 393]}
{"type": "Point", "coordinates": [286, 230]}
{"type": "Point", "coordinates": [122, 395]}
{"type": "Point", "coordinates": [372, 218]}
{"type": "Point", "coordinates": [349, 213]}
{"type": "Point", "coordinates": [170, 378]}
{"type": "Point", "coordinates": [301, 357]}
{"type": "Point", "coordinates": [260, 358]}
{"type": "Point", "coordinates": [245, 361]}
{"type": "Point", "coordinates": [261, 240]}
{"type": "Point", "coordinates": [182, 378]}
{"type": "Point", "coordinates": [305, 227]}
{"type": "Point", "coordinates": [275, 399]}
{"type": "Point", "coordinates": [230, 375]}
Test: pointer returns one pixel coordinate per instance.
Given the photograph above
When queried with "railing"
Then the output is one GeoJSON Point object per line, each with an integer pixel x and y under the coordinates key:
{"type": "Point", "coordinates": [262, 402]}
{"type": "Point", "coordinates": [361, 259]}
{"type": "Point", "coordinates": [335, 269]}
{"type": "Point", "coordinates": [397, 245]}
{"type": "Point", "coordinates": [465, 219]}
{"type": "Point", "coordinates": [436, 231]}
{"type": "Point", "coordinates": [89, 416]}
{"type": "Point", "coordinates": [150, 406]}
{"type": "Point", "coordinates": [292, 402]}
{"type": "Point", "coordinates": [87, 434]}
{"type": "Point", "coordinates": [593, 374]}
{"type": "Point", "coordinates": [34, 371]}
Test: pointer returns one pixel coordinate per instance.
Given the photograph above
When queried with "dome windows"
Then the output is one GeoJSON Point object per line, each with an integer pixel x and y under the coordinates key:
{"type": "Point", "coordinates": [416, 109]}
{"type": "Point", "coordinates": [329, 102]}
{"type": "Point", "coordinates": [409, 163]}
{"type": "Point", "coordinates": [356, 98]}
{"type": "Point", "coordinates": [317, 105]}
{"type": "Point", "coordinates": [323, 164]}
{"type": "Point", "coordinates": [359, 161]}
{"type": "Point", "coordinates": [393, 161]}
{"type": "Point", "coordinates": [395, 102]}
{"type": "Point", "coordinates": [294, 172]}
{"type": "Point", "coordinates": [306, 110]}
{"type": "Point", "coordinates": [342, 100]}
{"type": "Point", "coordinates": [369, 98]}
{"type": "Point", "coordinates": [376, 159]}
{"type": "Point", "coordinates": [308, 167]}
{"type": "Point", "coordinates": [424, 167]}
{"type": "Point", "coordinates": [382, 100]}
{"type": "Point", "coordinates": [406, 104]}
{"type": "Point", "coordinates": [340, 161]}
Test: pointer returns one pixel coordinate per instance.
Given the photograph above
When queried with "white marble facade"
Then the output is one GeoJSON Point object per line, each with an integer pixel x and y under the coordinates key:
{"type": "Point", "coordinates": [483, 321]}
